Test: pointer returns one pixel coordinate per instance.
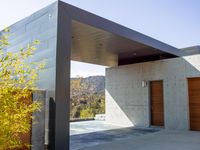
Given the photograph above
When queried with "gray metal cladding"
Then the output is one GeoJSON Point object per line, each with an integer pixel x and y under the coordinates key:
{"type": "Point", "coordinates": [41, 26]}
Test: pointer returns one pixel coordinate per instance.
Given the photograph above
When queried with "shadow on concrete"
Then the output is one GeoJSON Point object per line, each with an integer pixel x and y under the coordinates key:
{"type": "Point", "coordinates": [77, 142]}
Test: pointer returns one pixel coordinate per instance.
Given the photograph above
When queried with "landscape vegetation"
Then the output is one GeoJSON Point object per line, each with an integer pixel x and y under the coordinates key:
{"type": "Point", "coordinates": [87, 96]}
{"type": "Point", "coordinates": [17, 82]}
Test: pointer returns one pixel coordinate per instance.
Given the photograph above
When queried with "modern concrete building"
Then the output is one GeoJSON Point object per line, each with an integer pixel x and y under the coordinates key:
{"type": "Point", "coordinates": [150, 83]}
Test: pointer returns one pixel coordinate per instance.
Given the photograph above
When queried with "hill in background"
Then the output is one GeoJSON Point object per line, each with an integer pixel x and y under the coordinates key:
{"type": "Point", "coordinates": [87, 96]}
{"type": "Point", "coordinates": [91, 85]}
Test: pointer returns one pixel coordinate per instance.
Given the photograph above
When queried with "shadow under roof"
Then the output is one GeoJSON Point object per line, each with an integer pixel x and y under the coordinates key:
{"type": "Point", "coordinates": [100, 41]}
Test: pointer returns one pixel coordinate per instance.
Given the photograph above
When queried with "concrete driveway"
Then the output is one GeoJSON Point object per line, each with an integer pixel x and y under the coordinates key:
{"type": "Point", "coordinates": [161, 140]}
{"type": "Point", "coordinates": [96, 133]}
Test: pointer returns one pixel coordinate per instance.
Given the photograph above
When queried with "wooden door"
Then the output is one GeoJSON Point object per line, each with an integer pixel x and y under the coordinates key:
{"type": "Point", "coordinates": [194, 103]}
{"type": "Point", "coordinates": [157, 106]}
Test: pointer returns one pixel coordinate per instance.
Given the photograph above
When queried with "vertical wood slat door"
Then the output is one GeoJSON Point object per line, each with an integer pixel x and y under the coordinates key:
{"type": "Point", "coordinates": [157, 106]}
{"type": "Point", "coordinates": [194, 103]}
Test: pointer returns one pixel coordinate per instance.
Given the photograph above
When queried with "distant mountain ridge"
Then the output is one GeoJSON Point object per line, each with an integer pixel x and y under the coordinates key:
{"type": "Point", "coordinates": [92, 84]}
{"type": "Point", "coordinates": [87, 96]}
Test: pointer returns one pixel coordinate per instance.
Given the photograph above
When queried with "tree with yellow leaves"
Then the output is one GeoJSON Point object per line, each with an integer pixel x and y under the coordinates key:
{"type": "Point", "coordinates": [18, 78]}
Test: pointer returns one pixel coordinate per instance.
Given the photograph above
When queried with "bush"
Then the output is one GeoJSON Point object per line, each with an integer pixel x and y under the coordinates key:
{"type": "Point", "coordinates": [17, 82]}
{"type": "Point", "coordinates": [86, 113]}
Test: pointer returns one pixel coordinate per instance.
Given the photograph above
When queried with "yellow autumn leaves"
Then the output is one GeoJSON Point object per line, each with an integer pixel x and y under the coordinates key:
{"type": "Point", "coordinates": [18, 76]}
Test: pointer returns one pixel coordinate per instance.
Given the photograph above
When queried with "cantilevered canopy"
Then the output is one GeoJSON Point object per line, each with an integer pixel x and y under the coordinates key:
{"type": "Point", "coordinates": [100, 41]}
{"type": "Point", "coordinates": [69, 33]}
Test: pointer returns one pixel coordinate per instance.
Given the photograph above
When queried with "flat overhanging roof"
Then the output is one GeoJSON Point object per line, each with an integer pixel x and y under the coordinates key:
{"type": "Point", "coordinates": [69, 33]}
{"type": "Point", "coordinates": [100, 41]}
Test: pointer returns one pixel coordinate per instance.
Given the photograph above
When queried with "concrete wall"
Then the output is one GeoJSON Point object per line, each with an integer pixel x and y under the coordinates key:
{"type": "Point", "coordinates": [41, 26]}
{"type": "Point", "coordinates": [127, 102]}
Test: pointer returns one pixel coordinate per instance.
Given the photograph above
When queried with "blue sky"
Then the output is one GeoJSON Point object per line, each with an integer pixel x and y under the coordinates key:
{"type": "Point", "coordinates": [175, 22]}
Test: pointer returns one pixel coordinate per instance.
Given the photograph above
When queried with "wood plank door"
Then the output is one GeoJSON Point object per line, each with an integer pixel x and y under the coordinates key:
{"type": "Point", "coordinates": [194, 103]}
{"type": "Point", "coordinates": [156, 102]}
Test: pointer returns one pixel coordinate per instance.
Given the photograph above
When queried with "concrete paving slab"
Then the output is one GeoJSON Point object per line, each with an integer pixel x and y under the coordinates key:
{"type": "Point", "coordinates": [162, 140]}
{"type": "Point", "coordinates": [92, 133]}
{"type": "Point", "coordinates": [83, 127]}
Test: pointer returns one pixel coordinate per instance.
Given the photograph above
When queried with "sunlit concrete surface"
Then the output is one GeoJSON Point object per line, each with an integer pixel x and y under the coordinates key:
{"type": "Point", "coordinates": [95, 133]}
{"type": "Point", "coordinates": [83, 127]}
{"type": "Point", "coordinates": [162, 140]}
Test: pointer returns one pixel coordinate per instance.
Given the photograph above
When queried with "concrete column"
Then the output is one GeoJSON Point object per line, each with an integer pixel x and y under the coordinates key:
{"type": "Point", "coordinates": [38, 125]}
